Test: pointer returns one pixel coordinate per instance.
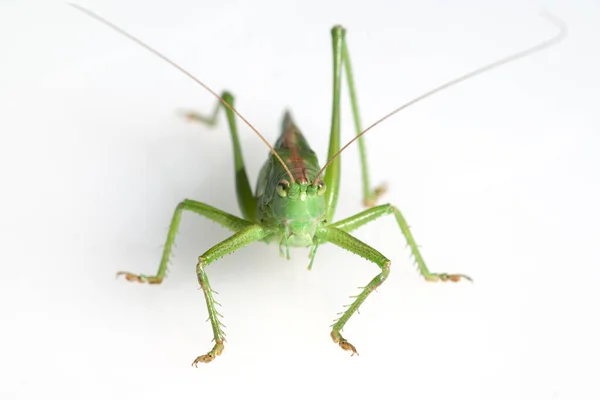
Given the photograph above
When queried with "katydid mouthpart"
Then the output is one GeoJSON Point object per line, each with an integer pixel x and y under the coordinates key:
{"type": "Point", "coordinates": [295, 199]}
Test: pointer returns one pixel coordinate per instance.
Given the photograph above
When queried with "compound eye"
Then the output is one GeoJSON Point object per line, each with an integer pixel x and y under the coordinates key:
{"type": "Point", "coordinates": [321, 188]}
{"type": "Point", "coordinates": [282, 188]}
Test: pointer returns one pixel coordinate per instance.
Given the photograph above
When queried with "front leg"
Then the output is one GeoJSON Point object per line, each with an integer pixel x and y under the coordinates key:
{"type": "Point", "coordinates": [241, 239]}
{"type": "Point", "coordinates": [362, 218]}
{"type": "Point", "coordinates": [350, 243]}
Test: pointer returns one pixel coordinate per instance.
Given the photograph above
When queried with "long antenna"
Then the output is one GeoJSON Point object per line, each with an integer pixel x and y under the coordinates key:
{"type": "Point", "coordinates": [181, 69]}
{"type": "Point", "coordinates": [547, 43]}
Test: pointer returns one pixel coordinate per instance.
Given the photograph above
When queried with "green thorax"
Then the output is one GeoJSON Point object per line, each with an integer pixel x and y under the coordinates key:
{"type": "Point", "coordinates": [296, 209]}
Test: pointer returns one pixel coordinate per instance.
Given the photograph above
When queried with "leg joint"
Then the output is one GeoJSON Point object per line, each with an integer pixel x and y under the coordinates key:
{"type": "Point", "coordinates": [385, 269]}
{"type": "Point", "coordinates": [200, 266]}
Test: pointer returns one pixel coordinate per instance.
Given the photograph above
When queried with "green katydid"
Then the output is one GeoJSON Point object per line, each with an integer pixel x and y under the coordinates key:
{"type": "Point", "coordinates": [295, 198]}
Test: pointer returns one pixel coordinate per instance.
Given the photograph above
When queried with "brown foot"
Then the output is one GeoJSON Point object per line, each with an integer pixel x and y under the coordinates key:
{"type": "Point", "coordinates": [211, 355]}
{"type": "Point", "coordinates": [153, 280]}
{"type": "Point", "coordinates": [344, 344]}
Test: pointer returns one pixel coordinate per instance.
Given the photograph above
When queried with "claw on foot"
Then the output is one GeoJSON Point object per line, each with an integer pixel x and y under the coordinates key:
{"type": "Point", "coordinates": [192, 116]}
{"type": "Point", "coordinates": [211, 355]}
{"type": "Point", "coordinates": [153, 280]}
{"type": "Point", "coordinates": [343, 343]}
{"type": "Point", "coordinates": [446, 277]}
{"type": "Point", "coordinates": [375, 195]}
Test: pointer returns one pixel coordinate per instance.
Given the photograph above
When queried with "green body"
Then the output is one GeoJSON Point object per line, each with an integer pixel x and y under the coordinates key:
{"type": "Point", "coordinates": [298, 215]}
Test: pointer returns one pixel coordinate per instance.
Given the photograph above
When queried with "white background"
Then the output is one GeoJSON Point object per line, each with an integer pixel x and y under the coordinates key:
{"type": "Point", "coordinates": [497, 177]}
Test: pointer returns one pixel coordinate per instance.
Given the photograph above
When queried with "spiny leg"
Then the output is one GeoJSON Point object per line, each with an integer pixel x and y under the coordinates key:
{"type": "Point", "coordinates": [350, 243]}
{"type": "Point", "coordinates": [227, 220]}
{"type": "Point", "coordinates": [370, 196]}
{"type": "Point", "coordinates": [240, 239]}
{"type": "Point", "coordinates": [245, 198]}
{"type": "Point", "coordinates": [360, 219]}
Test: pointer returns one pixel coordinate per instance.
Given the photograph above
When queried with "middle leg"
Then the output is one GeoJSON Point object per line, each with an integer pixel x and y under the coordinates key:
{"type": "Point", "coordinates": [221, 217]}
{"type": "Point", "coordinates": [362, 218]}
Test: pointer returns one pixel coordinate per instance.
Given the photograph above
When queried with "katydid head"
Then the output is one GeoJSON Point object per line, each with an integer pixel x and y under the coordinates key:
{"type": "Point", "coordinates": [300, 206]}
